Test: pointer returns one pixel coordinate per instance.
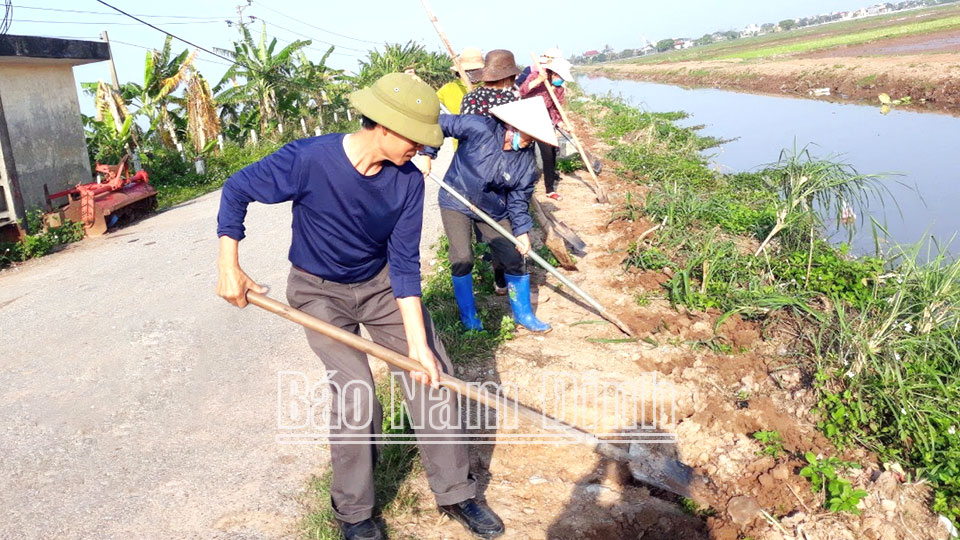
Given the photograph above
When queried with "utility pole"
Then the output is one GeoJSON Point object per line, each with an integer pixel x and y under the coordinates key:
{"type": "Point", "coordinates": [240, 23]}
{"type": "Point", "coordinates": [113, 67]}
{"type": "Point", "coordinates": [116, 88]}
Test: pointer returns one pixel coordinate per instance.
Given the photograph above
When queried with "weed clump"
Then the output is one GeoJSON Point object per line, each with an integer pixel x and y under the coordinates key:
{"type": "Point", "coordinates": [882, 333]}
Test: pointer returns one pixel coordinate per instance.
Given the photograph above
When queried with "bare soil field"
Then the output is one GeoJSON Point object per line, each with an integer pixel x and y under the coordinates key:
{"type": "Point", "coordinates": [935, 42]}
{"type": "Point", "coordinates": [913, 54]}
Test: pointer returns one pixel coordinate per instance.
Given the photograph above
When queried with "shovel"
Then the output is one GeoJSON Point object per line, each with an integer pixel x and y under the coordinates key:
{"type": "Point", "coordinates": [595, 162]}
{"type": "Point", "coordinates": [645, 465]}
{"type": "Point", "coordinates": [602, 311]}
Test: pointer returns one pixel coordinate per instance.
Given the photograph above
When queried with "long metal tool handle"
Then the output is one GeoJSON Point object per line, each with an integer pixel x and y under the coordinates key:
{"type": "Point", "coordinates": [539, 260]}
{"type": "Point", "coordinates": [446, 42]}
{"type": "Point", "coordinates": [478, 393]}
{"type": "Point", "coordinates": [601, 193]}
{"type": "Point", "coordinates": [474, 392]}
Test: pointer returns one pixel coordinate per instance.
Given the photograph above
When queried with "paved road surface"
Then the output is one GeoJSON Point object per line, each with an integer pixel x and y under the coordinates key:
{"type": "Point", "coordinates": [137, 404]}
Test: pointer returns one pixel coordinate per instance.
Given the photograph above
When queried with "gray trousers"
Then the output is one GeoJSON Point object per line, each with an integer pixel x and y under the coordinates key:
{"type": "Point", "coordinates": [459, 229]}
{"type": "Point", "coordinates": [356, 417]}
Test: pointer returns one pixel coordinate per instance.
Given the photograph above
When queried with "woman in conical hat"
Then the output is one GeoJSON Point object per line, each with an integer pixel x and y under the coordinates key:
{"type": "Point", "coordinates": [554, 73]}
{"type": "Point", "coordinates": [495, 169]}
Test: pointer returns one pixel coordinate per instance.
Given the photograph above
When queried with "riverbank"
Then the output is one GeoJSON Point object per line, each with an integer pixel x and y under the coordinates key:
{"type": "Point", "coordinates": [874, 338]}
{"type": "Point", "coordinates": [729, 331]}
{"type": "Point", "coordinates": [909, 55]}
{"type": "Point", "coordinates": [931, 81]}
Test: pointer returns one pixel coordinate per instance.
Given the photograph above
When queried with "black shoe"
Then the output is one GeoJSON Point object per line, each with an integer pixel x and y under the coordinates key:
{"type": "Point", "coordinates": [476, 516]}
{"type": "Point", "coordinates": [362, 530]}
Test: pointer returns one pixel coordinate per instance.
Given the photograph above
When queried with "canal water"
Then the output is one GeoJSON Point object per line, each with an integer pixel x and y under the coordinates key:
{"type": "Point", "coordinates": [916, 151]}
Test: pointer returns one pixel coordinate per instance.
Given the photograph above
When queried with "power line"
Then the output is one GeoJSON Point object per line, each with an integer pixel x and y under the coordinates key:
{"type": "Point", "coordinates": [117, 14]}
{"type": "Point", "coordinates": [7, 17]}
{"type": "Point", "coordinates": [154, 48]}
{"type": "Point", "coordinates": [316, 27]}
{"type": "Point", "coordinates": [261, 19]}
{"type": "Point", "coordinates": [168, 33]}
{"type": "Point", "coordinates": [335, 52]}
{"type": "Point", "coordinates": [104, 23]}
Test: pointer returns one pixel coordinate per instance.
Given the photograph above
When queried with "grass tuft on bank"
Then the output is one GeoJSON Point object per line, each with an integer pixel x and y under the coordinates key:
{"type": "Point", "coordinates": [880, 333]}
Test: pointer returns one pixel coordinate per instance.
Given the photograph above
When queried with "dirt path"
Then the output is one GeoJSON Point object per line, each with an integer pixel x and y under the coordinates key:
{"type": "Point", "coordinates": [137, 404]}
{"type": "Point", "coordinates": [565, 492]}
{"type": "Point", "coordinates": [933, 78]}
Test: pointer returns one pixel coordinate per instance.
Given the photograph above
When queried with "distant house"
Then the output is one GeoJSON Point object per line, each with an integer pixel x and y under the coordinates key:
{"type": "Point", "coordinates": [648, 49]}
{"type": "Point", "coordinates": [41, 132]}
{"type": "Point", "coordinates": [751, 30]}
{"type": "Point", "coordinates": [590, 54]}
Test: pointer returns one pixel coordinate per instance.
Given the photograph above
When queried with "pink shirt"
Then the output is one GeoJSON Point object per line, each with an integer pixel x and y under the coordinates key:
{"type": "Point", "coordinates": [541, 90]}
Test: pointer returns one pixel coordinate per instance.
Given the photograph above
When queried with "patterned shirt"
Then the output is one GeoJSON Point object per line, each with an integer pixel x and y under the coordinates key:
{"type": "Point", "coordinates": [482, 99]}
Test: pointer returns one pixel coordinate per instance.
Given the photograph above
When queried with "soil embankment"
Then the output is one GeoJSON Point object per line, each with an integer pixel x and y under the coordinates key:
{"type": "Point", "coordinates": [730, 382]}
{"type": "Point", "coordinates": [932, 81]}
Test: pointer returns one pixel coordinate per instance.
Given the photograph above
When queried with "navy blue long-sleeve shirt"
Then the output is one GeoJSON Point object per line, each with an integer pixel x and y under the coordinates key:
{"type": "Point", "coordinates": [346, 226]}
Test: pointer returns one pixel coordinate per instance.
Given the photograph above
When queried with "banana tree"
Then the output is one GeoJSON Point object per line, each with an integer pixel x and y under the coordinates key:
{"type": "Point", "coordinates": [318, 85]}
{"type": "Point", "coordinates": [163, 74]}
{"type": "Point", "coordinates": [264, 72]}
{"type": "Point", "coordinates": [203, 123]}
{"type": "Point", "coordinates": [111, 133]}
{"type": "Point", "coordinates": [432, 67]}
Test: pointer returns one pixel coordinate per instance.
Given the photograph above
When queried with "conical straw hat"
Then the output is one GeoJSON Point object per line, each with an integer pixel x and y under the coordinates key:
{"type": "Point", "coordinates": [560, 66]}
{"type": "Point", "coordinates": [529, 116]}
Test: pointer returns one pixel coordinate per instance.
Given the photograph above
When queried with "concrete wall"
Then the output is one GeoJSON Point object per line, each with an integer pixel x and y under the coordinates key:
{"type": "Point", "coordinates": [46, 132]}
{"type": "Point", "coordinates": [5, 205]}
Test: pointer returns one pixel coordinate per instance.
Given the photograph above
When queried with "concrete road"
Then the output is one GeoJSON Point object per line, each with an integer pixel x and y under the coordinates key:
{"type": "Point", "coordinates": [137, 404]}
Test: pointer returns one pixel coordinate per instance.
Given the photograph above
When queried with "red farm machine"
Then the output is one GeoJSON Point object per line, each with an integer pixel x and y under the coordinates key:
{"type": "Point", "coordinates": [113, 200]}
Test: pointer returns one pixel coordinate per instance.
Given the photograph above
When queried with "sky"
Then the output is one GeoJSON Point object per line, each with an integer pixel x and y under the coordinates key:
{"type": "Point", "coordinates": [522, 27]}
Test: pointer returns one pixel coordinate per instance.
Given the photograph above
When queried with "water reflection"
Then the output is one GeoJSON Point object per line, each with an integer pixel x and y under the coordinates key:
{"type": "Point", "coordinates": [917, 147]}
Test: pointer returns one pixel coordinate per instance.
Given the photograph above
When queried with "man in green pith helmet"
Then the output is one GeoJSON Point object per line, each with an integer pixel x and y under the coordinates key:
{"type": "Point", "coordinates": [357, 217]}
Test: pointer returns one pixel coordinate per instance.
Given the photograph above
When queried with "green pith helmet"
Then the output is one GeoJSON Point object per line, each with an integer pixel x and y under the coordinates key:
{"type": "Point", "coordinates": [402, 104]}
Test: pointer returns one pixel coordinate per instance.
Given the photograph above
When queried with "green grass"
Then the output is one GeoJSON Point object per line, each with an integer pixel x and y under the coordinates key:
{"type": "Point", "coordinates": [856, 38]}
{"type": "Point", "coordinates": [885, 339]}
{"type": "Point", "coordinates": [40, 242]}
{"type": "Point", "coordinates": [177, 181]}
{"type": "Point", "coordinates": [814, 38]}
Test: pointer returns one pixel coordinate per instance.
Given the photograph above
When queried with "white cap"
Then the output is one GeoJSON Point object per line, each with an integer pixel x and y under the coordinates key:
{"type": "Point", "coordinates": [560, 66]}
{"type": "Point", "coordinates": [529, 116]}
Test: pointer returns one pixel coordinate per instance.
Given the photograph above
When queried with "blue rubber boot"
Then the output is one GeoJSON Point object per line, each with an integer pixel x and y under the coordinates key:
{"type": "Point", "coordinates": [518, 289]}
{"type": "Point", "coordinates": [463, 290]}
